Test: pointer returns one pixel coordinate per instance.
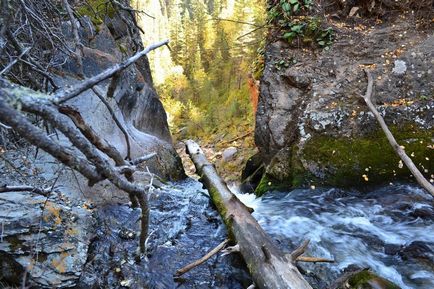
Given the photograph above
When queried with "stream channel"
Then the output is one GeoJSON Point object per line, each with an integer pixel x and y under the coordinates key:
{"type": "Point", "coordinates": [389, 229]}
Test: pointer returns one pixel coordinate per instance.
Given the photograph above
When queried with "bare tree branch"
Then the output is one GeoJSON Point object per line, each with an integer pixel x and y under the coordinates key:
{"type": "Point", "coordinates": [102, 170]}
{"type": "Point", "coordinates": [44, 192]}
{"type": "Point", "coordinates": [65, 95]}
{"type": "Point", "coordinates": [91, 135]}
{"type": "Point", "coordinates": [12, 63]}
{"type": "Point", "coordinates": [37, 137]}
{"type": "Point", "coordinates": [78, 45]}
{"type": "Point", "coordinates": [131, 10]}
{"type": "Point", "coordinates": [142, 159]}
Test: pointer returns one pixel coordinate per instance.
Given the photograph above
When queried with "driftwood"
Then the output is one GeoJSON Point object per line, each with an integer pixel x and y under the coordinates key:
{"type": "Point", "coordinates": [396, 147]}
{"type": "Point", "coordinates": [196, 263]}
{"type": "Point", "coordinates": [268, 265]}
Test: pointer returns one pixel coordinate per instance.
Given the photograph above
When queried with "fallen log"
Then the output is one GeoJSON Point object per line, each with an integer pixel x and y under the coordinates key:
{"type": "Point", "coordinates": [269, 267]}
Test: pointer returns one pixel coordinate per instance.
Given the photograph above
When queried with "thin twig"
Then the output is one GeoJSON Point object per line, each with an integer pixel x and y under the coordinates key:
{"type": "Point", "coordinates": [142, 159]}
{"type": "Point", "coordinates": [78, 44]}
{"type": "Point", "coordinates": [12, 63]}
{"type": "Point", "coordinates": [314, 259]}
{"type": "Point", "coordinates": [44, 192]}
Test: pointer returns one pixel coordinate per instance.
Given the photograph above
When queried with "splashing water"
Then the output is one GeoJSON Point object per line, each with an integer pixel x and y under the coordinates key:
{"type": "Point", "coordinates": [389, 230]}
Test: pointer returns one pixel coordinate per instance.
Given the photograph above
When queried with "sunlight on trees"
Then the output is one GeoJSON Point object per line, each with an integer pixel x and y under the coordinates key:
{"type": "Point", "coordinates": [215, 43]}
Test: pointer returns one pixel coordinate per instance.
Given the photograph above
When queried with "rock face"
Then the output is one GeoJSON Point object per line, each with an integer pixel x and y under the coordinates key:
{"type": "Point", "coordinates": [312, 126]}
{"type": "Point", "coordinates": [47, 239]}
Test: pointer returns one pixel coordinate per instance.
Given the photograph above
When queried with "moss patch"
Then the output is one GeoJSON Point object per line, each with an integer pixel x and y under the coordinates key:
{"type": "Point", "coordinates": [268, 183]}
{"type": "Point", "coordinates": [349, 162]}
{"type": "Point", "coordinates": [367, 160]}
{"type": "Point", "coordinates": [97, 10]}
{"type": "Point", "coordinates": [368, 280]}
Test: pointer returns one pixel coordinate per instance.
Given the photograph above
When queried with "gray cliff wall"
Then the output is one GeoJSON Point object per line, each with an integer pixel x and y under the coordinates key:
{"type": "Point", "coordinates": [50, 237]}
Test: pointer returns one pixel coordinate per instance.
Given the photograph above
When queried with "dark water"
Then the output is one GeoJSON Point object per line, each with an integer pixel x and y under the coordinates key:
{"type": "Point", "coordinates": [184, 228]}
{"type": "Point", "coordinates": [390, 230]}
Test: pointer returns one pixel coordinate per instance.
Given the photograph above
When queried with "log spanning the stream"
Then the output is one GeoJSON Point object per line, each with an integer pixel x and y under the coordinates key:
{"type": "Point", "coordinates": [269, 266]}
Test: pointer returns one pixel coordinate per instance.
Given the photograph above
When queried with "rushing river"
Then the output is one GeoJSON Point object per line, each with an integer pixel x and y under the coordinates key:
{"type": "Point", "coordinates": [390, 229]}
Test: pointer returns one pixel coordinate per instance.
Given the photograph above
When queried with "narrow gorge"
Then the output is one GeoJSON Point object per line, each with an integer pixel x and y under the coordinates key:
{"type": "Point", "coordinates": [98, 99]}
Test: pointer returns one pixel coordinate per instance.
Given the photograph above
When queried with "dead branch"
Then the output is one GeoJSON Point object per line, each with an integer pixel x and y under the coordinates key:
{"type": "Point", "coordinates": [102, 168]}
{"type": "Point", "coordinates": [63, 95]}
{"type": "Point", "coordinates": [102, 145]}
{"type": "Point", "coordinates": [267, 264]}
{"type": "Point", "coordinates": [33, 64]}
{"type": "Point", "coordinates": [12, 63]}
{"type": "Point", "coordinates": [38, 138]}
{"type": "Point", "coordinates": [238, 137]}
{"type": "Point", "coordinates": [113, 84]}
{"type": "Point", "coordinates": [131, 10]}
{"type": "Point", "coordinates": [78, 45]}
{"type": "Point", "coordinates": [236, 21]}
{"type": "Point", "coordinates": [198, 262]}
{"type": "Point", "coordinates": [91, 135]}
{"type": "Point", "coordinates": [396, 147]}
{"type": "Point", "coordinates": [44, 192]}
{"type": "Point", "coordinates": [143, 159]}
{"type": "Point", "coordinates": [300, 250]}
{"type": "Point", "coordinates": [231, 250]}
{"type": "Point", "coordinates": [314, 259]}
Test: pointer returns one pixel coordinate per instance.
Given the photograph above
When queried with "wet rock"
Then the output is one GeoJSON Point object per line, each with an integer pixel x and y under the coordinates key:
{"type": "Point", "coordinates": [45, 236]}
{"type": "Point", "coordinates": [368, 280]}
{"type": "Point", "coordinates": [181, 233]}
{"type": "Point", "coordinates": [418, 250]}
{"type": "Point", "coordinates": [11, 272]}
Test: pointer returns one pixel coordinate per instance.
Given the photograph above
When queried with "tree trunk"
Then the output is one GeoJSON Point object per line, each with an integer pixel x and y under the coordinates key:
{"type": "Point", "coordinates": [269, 266]}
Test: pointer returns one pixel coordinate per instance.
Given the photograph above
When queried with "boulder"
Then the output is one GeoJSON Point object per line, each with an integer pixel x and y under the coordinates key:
{"type": "Point", "coordinates": [312, 126]}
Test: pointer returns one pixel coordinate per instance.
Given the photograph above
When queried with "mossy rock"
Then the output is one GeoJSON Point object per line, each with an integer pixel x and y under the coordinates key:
{"type": "Point", "coordinates": [367, 160]}
{"type": "Point", "coordinates": [349, 161]}
{"type": "Point", "coordinates": [368, 280]}
{"type": "Point", "coordinates": [268, 183]}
